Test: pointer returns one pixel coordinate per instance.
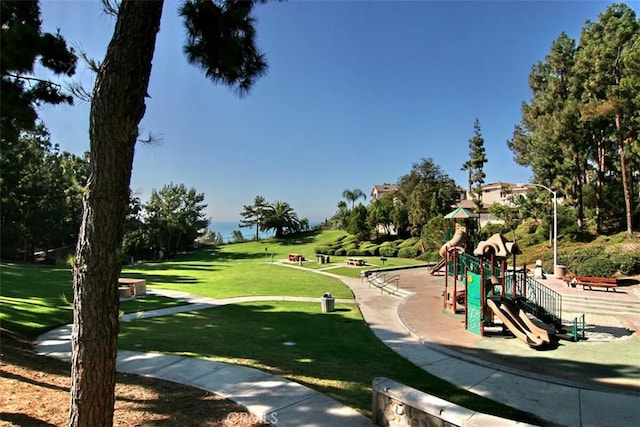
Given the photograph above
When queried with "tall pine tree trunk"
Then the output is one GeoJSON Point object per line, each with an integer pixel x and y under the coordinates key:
{"type": "Point", "coordinates": [578, 177]}
{"type": "Point", "coordinates": [116, 110]}
{"type": "Point", "coordinates": [626, 188]}
{"type": "Point", "coordinates": [601, 165]}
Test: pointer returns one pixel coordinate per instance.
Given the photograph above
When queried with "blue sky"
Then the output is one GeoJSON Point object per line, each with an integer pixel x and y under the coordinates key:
{"type": "Point", "coordinates": [355, 94]}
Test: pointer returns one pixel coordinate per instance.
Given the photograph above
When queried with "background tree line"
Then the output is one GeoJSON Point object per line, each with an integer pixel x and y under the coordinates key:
{"type": "Point", "coordinates": [41, 194]}
{"type": "Point", "coordinates": [278, 216]}
{"type": "Point", "coordinates": [168, 223]}
{"type": "Point", "coordinates": [579, 131]}
{"type": "Point", "coordinates": [424, 193]}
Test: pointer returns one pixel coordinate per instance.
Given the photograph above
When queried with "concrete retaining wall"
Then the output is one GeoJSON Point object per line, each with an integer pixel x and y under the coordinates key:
{"type": "Point", "coordinates": [397, 405]}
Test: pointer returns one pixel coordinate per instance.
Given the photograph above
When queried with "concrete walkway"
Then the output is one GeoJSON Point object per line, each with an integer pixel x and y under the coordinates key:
{"type": "Point", "coordinates": [285, 403]}
{"type": "Point", "coordinates": [561, 403]}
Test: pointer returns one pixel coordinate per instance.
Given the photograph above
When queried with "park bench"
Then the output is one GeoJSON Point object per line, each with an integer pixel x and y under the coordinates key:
{"type": "Point", "coordinates": [359, 262]}
{"type": "Point", "coordinates": [594, 282]}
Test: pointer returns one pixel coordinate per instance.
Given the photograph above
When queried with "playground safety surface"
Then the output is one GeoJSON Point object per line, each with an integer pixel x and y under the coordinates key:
{"type": "Point", "coordinates": [608, 358]}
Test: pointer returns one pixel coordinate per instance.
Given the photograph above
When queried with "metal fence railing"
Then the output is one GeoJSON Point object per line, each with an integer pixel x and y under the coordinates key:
{"type": "Point", "coordinates": [539, 300]}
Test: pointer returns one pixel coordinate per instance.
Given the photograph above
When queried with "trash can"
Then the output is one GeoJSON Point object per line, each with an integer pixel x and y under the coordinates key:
{"type": "Point", "coordinates": [560, 271]}
{"type": "Point", "coordinates": [320, 259]}
{"type": "Point", "coordinates": [328, 303]}
{"type": "Point", "coordinates": [326, 259]}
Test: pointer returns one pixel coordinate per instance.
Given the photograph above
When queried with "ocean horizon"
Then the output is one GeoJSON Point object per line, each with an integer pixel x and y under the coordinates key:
{"type": "Point", "coordinates": [226, 228]}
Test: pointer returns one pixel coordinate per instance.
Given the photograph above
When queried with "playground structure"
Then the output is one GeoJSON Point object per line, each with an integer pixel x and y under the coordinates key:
{"type": "Point", "coordinates": [462, 239]}
{"type": "Point", "coordinates": [485, 288]}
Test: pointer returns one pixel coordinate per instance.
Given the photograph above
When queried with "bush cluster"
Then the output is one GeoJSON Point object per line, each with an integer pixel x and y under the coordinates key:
{"type": "Point", "coordinates": [596, 261]}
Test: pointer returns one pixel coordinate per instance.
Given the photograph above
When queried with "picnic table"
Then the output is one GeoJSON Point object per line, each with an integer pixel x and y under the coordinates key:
{"type": "Point", "coordinates": [132, 287]}
{"type": "Point", "coordinates": [359, 262]}
{"type": "Point", "coordinates": [296, 257]}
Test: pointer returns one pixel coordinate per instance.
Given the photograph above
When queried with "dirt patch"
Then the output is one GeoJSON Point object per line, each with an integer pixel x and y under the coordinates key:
{"type": "Point", "coordinates": [36, 393]}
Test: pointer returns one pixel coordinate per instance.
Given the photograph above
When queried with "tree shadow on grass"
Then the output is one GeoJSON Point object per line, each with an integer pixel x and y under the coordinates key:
{"type": "Point", "coordinates": [328, 351]}
{"type": "Point", "coordinates": [163, 278]}
{"type": "Point", "coordinates": [297, 239]}
{"type": "Point", "coordinates": [218, 255]}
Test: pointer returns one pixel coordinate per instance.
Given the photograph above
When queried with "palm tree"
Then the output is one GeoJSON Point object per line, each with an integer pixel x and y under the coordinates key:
{"type": "Point", "coordinates": [353, 195]}
{"type": "Point", "coordinates": [280, 217]}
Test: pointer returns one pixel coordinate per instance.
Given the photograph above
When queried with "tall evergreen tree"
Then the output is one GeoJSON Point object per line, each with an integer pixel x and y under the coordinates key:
{"type": "Point", "coordinates": [475, 165]}
{"type": "Point", "coordinates": [175, 216]}
{"type": "Point", "coordinates": [550, 137]}
{"type": "Point", "coordinates": [22, 43]}
{"type": "Point", "coordinates": [608, 48]}
{"type": "Point", "coordinates": [220, 40]}
{"type": "Point", "coordinates": [252, 215]}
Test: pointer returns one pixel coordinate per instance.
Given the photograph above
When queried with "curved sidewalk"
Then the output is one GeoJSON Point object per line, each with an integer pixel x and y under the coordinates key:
{"type": "Point", "coordinates": [273, 399]}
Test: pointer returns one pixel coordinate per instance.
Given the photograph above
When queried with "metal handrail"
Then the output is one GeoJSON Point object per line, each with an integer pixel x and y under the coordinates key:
{"type": "Point", "coordinates": [540, 300]}
{"type": "Point", "coordinates": [395, 278]}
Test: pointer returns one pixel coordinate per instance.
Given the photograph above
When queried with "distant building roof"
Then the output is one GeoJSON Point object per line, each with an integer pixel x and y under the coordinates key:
{"type": "Point", "coordinates": [384, 188]}
{"type": "Point", "coordinates": [465, 203]}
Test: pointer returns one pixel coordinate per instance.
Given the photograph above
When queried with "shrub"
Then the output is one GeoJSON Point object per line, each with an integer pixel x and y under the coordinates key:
{"type": "Point", "coordinates": [628, 263]}
{"type": "Point", "coordinates": [356, 252]}
{"type": "Point", "coordinates": [601, 266]}
{"type": "Point", "coordinates": [490, 229]}
{"type": "Point", "coordinates": [388, 251]}
{"type": "Point", "coordinates": [369, 249]}
{"type": "Point", "coordinates": [409, 242]}
{"type": "Point", "coordinates": [585, 254]}
{"type": "Point", "coordinates": [340, 252]}
{"type": "Point", "coordinates": [350, 239]}
{"type": "Point", "coordinates": [324, 250]}
{"type": "Point", "coordinates": [429, 256]}
{"type": "Point", "coordinates": [408, 252]}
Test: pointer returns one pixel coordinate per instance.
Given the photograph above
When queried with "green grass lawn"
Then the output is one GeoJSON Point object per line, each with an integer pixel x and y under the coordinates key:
{"type": "Point", "coordinates": [219, 275]}
{"type": "Point", "coordinates": [334, 353]}
{"type": "Point", "coordinates": [35, 299]}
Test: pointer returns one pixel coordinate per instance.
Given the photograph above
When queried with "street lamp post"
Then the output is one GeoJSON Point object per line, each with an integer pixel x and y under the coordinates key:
{"type": "Point", "coordinates": [555, 223]}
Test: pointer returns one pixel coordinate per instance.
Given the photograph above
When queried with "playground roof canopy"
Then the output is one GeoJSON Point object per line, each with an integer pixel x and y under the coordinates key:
{"type": "Point", "coordinates": [462, 213]}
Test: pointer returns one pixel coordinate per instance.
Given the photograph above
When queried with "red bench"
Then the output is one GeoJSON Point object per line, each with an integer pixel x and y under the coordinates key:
{"type": "Point", "coordinates": [594, 282]}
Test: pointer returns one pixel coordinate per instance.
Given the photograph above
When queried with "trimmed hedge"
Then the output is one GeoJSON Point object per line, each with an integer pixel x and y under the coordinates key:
{"type": "Point", "coordinates": [356, 252]}
{"type": "Point", "coordinates": [410, 242]}
{"type": "Point", "coordinates": [387, 251]}
{"type": "Point", "coordinates": [408, 252]}
{"type": "Point", "coordinates": [324, 250]}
